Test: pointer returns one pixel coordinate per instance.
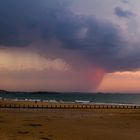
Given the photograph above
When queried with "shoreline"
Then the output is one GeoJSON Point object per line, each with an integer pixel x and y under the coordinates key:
{"type": "Point", "coordinates": [8, 103]}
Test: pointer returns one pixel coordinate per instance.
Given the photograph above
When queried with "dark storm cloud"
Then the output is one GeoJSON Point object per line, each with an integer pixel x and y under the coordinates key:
{"type": "Point", "coordinates": [21, 21]}
{"type": "Point", "coordinates": [125, 1]}
{"type": "Point", "coordinates": [123, 13]}
{"type": "Point", "coordinates": [25, 21]}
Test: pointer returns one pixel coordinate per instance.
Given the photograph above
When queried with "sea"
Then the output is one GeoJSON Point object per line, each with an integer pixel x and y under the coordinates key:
{"type": "Point", "coordinates": [91, 98]}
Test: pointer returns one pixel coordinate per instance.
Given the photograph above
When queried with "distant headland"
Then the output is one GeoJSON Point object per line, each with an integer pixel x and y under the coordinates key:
{"type": "Point", "coordinates": [44, 92]}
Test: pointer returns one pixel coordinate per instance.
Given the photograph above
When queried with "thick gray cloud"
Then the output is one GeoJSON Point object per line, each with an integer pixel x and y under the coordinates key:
{"type": "Point", "coordinates": [123, 13]}
{"type": "Point", "coordinates": [22, 21]}
{"type": "Point", "coordinates": [99, 42]}
{"type": "Point", "coordinates": [125, 1]}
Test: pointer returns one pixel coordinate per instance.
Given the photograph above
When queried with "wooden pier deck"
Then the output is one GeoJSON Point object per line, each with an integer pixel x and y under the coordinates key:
{"type": "Point", "coordinates": [46, 105]}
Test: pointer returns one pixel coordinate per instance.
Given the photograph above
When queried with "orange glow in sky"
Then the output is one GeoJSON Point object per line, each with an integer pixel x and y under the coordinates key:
{"type": "Point", "coordinates": [121, 82]}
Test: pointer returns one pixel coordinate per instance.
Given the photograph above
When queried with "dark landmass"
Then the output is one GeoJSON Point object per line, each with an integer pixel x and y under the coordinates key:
{"type": "Point", "coordinates": [44, 92]}
{"type": "Point", "coordinates": [23, 92]}
{"type": "Point", "coordinates": [55, 92]}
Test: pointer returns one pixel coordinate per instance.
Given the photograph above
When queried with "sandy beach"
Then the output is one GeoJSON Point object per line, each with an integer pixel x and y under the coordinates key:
{"type": "Point", "coordinates": [69, 69]}
{"type": "Point", "coordinates": [69, 124]}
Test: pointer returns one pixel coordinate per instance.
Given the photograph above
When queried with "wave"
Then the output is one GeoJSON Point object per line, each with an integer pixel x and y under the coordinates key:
{"type": "Point", "coordinates": [53, 100]}
{"type": "Point", "coordinates": [81, 101]}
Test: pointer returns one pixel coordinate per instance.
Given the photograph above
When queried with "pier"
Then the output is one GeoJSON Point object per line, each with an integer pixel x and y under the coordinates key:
{"type": "Point", "coordinates": [46, 105]}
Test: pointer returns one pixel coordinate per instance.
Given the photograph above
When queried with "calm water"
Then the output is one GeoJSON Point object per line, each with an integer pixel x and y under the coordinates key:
{"type": "Point", "coordinates": [92, 98]}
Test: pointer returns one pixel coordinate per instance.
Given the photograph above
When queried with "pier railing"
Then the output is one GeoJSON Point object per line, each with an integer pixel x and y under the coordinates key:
{"type": "Point", "coordinates": [65, 106]}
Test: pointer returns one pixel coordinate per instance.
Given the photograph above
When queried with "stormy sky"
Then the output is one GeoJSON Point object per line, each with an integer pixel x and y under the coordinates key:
{"type": "Point", "coordinates": [67, 45]}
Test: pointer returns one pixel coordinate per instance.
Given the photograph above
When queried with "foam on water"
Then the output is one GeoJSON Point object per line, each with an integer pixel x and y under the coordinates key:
{"type": "Point", "coordinates": [128, 99]}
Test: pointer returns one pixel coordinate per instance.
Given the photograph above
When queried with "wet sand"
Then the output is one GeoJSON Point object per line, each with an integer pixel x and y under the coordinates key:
{"type": "Point", "coordinates": [69, 124]}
